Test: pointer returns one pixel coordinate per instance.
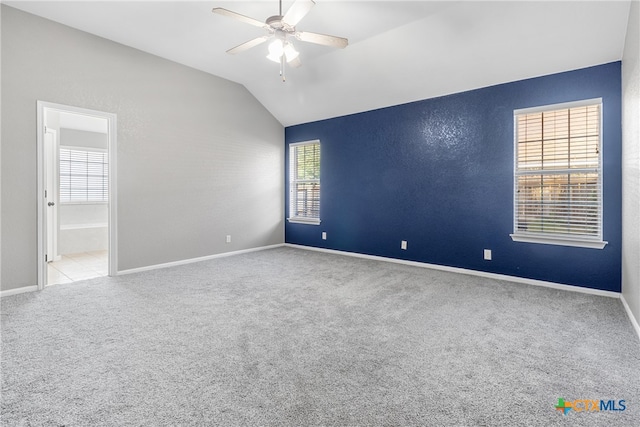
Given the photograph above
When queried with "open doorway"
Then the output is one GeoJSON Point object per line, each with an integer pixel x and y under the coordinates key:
{"type": "Point", "coordinates": [76, 203]}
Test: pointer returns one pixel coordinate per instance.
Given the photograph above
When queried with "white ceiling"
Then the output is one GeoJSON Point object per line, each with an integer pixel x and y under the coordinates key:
{"type": "Point", "coordinates": [399, 51]}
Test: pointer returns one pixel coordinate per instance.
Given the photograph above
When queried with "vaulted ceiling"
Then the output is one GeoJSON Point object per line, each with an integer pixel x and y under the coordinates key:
{"type": "Point", "coordinates": [399, 51]}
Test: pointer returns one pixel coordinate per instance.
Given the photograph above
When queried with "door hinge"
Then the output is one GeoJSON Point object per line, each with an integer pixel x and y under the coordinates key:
{"type": "Point", "coordinates": [45, 258]}
{"type": "Point", "coordinates": [45, 194]}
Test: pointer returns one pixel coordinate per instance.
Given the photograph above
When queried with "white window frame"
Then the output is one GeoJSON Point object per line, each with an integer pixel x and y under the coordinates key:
{"type": "Point", "coordinates": [106, 190]}
{"type": "Point", "coordinates": [596, 242]}
{"type": "Point", "coordinates": [293, 181]}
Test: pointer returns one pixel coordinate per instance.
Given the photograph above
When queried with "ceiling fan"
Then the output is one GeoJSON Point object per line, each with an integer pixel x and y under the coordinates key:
{"type": "Point", "coordinates": [282, 29]}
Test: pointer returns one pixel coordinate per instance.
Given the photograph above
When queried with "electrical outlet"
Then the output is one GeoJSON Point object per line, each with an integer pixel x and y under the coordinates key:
{"type": "Point", "coordinates": [487, 254]}
{"type": "Point", "coordinates": [324, 235]}
{"type": "Point", "coordinates": [403, 245]}
{"type": "Point", "coordinates": [228, 238]}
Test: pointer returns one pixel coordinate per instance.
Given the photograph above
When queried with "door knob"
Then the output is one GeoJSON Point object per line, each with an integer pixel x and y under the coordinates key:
{"type": "Point", "coordinates": [50, 204]}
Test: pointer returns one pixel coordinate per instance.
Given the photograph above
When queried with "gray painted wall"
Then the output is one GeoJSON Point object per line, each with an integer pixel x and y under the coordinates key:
{"type": "Point", "coordinates": [198, 156]}
{"type": "Point", "coordinates": [631, 163]}
{"type": "Point", "coordinates": [1, 148]}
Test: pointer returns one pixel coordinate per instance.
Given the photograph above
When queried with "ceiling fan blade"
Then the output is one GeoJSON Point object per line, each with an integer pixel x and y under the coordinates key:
{"type": "Point", "coordinates": [247, 45]}
{"type": "Point", "coordinates": [297, 11]}
{"type": "Point", "coordinates": [333, 41]}
{"type": "Point", "coordinates": [245, 19]}
{"type": "Point", "coordinates": [295, 63]}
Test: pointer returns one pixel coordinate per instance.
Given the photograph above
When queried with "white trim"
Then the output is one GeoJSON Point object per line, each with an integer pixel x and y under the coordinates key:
{"type": "Point", "coordinates": [292, 181]}
{"type": "Point", "coordinates": [40, 188]}
{"type": "Point", "coordinates": [459, 270]}
{"type": "Point", "coordinates": [502, 277]}
{"type": "Point", "coordinates": [17, 291]}
{"type": "Point", "coordinates": [311, 141]}
{"type": "Point", "coordinates": [112, 217]}
{"type": "Point", "coordinates": [113, 194]}
{"type": "Point", "coordinates": [548, 240]}
{"type": "Point", "coordinates": [192, 260]}
{"type": "Point", "coordinates": [302, 220]}
{"type": "Point", "coordinates": [560, 106]}
{"type": "Point", "coordinates": [80, 148]}
{"type": "Point", "coordinates": [632, 318]}
{"type": "Point", "coordinates": [34, 288]}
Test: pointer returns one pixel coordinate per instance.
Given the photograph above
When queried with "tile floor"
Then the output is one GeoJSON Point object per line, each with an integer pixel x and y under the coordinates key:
{"type": "Point", "coordinates": [74, 267]}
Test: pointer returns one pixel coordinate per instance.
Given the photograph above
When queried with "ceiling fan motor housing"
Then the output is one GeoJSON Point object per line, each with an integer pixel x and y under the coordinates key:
{"type": "Point", "coordinates": [277, 23]}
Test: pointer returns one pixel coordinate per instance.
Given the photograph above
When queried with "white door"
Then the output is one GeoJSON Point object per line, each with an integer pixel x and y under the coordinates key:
{"type": "Point", "coordinates": [51, 193]}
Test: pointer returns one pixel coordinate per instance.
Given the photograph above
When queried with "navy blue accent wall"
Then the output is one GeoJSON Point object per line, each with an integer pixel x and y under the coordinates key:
{"type": "Point", "coordinates": [439, 174]}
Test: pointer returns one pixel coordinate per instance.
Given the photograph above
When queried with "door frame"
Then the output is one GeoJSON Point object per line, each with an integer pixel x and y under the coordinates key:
{"type": "Point", "coordinates": [111, 118]}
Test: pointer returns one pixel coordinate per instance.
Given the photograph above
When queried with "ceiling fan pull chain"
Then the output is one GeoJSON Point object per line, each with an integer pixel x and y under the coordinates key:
{"type": "Point", "coordinates": [282, 69]}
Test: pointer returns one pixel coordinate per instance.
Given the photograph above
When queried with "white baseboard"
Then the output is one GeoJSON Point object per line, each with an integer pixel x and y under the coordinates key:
{"type": "Point", "coordinates": [632, 318]}
{"type": "Point", "coordinates": [17, 291]}
{"type": "Point", "coordinates": [467, 271]}
{"type": "Point", "coordinates": [154, 267]}
{"type": "Point", "coordinates": [192, 260]}
{"type": "Point", "coordinates": [377, 258]}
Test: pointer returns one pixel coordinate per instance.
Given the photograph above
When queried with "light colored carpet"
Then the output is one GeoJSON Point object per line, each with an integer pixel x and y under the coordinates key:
{"type": "Point", "coordinates": [299, 338]}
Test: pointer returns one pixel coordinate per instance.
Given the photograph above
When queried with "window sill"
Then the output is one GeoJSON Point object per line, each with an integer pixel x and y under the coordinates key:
{"type": "Point", "coordinates": [546, 240]}
{"type": "Point", "coordinates": [310, 221]}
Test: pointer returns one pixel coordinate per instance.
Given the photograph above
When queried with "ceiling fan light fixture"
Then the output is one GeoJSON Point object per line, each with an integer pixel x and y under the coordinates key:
{"type": "Point", "coordinates": [290, 52]}
{"type": "Point", "coordinates": [276, 49]}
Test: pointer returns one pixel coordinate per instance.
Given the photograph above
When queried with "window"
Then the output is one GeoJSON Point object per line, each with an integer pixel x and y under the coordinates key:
{"type": "Point", "coordinates": [304, 182]}
{"type": "Point", "coordinates": [84, 175]}
{"type": "Point", "coordinates": [558, 175]}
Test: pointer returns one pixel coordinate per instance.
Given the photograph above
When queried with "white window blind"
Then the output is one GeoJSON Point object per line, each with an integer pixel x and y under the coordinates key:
{"type": "Point", "coordinates": [558, 175]}
{"type": "Point", "coordinates": [304, 182]}
{"type": "Point", "coordinates": [84, 175]}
